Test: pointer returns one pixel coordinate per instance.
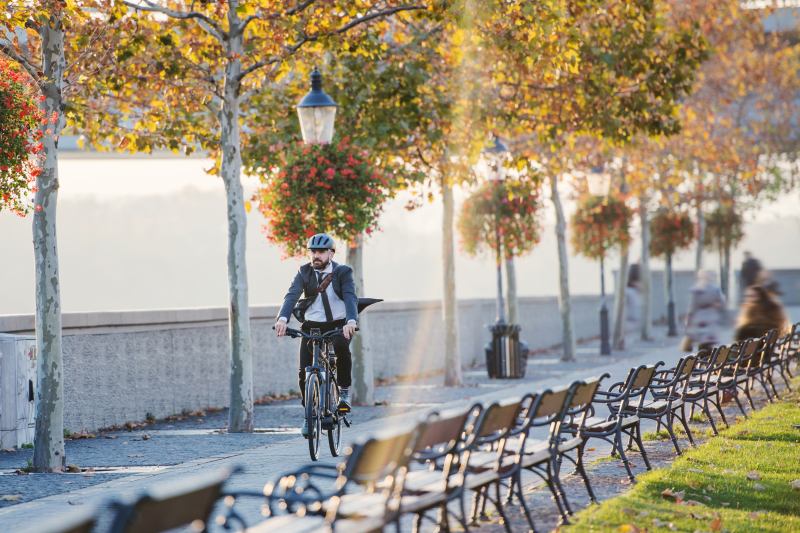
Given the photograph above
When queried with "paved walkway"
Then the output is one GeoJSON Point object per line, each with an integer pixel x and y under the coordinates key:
{"type": "Point", "coordinates": [123, 463]}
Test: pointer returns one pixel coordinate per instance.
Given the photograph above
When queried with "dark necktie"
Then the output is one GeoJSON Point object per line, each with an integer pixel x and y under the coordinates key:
{"type": "Point", "coordinates": [325, 302]}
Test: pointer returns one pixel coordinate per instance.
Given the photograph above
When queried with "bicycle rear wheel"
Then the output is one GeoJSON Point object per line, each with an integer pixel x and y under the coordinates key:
{"type": "Point", "coordinates": [335, 432]}
{"type": "Point", "coordinates": [313, 415]}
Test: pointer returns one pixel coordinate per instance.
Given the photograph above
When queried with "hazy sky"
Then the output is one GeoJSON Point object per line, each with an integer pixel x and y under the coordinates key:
{"type": "Point", "coordinates": [146, 233]}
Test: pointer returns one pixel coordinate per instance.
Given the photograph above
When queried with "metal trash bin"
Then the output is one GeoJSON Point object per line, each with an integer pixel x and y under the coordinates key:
{"type": "Point", "coordinates": [506, 355]}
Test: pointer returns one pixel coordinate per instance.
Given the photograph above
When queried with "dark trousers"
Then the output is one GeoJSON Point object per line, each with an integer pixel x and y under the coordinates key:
{"type": "Point", "coordinates": [340, 345]}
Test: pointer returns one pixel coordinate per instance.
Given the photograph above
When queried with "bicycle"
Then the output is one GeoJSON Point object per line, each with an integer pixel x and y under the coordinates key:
{"type": "Point", "coordinates": [322, 391]}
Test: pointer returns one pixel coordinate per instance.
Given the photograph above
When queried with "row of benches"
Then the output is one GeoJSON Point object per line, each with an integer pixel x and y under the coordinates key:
{"type": "Point", "coordinates": [429, 469]}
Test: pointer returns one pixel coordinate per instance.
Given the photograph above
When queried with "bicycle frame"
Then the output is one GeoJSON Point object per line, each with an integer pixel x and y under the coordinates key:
{"type": "Point", "coordinates": [320, 361]}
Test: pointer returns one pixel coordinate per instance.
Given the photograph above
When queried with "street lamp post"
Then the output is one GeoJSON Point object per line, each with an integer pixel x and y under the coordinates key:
{"type": "Point", "coordinates": [599, 183]}
{"type": "Point", "coordinates": [491, 167]}
{"type": "Point", "coordinates": [504, 356]}
{"type": "Point", "coordinates": [317, 112]}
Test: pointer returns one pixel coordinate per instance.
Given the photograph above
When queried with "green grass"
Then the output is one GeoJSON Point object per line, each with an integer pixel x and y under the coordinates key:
{"type": "Point", "coordinates": [712, 486]}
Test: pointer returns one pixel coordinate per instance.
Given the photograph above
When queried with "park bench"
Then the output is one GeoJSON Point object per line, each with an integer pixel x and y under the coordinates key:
{"type": "Point", "coordinates": [492, 463]}
{"type": "Point", "coordinates": [540, 456]}
{"type": "Point", "coordinates": [703, 389]}
{"type": "Point", "coordinates": [623, 399]}
{"type": "Point", "coordinates": [188, 501]}
{"type": "Point", "coordinates": [780, 361]}
{"type": "Point", "coordinates": [571, 430]}
{"type": "Point", "coordinates": [363, 492]}
{"type": "Point", "coordinates": [438, 467]}
{"type": "Point", "coordinates": [669, 389]}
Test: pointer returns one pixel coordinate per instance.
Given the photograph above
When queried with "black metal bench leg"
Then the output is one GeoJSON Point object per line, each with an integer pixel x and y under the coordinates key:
{"type": "Point", "coordinates": [638, 434]}
{"type": "Point", "coordinates": [522, 502]}
{"type": "Point", "coordinates": [579, 467]}
{"type": "Point", "coordinates": [682, 419]}
{"type": "Point", "coordinates": [718, 404]}
{"type": "Point", "coordinates": [618, 445]}
{"type": "Point", "coordinates": [707, 412]}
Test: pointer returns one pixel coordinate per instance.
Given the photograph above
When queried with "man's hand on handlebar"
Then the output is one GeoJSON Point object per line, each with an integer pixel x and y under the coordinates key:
{"type": "Point", "coordinates": [280, 328]}
{"type": "Point", "coordinates": [348, 330]}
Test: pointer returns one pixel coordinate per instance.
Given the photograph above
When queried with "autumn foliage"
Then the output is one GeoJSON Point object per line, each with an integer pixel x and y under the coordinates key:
{"type": "Point", "coordinates": [723, 228]}
{"type": "Point", "coordinates": [600, 223]}
{"type": "Point", "coordinates": [515, 205]}
{"type": "Point", "coordinates": [20, 118]}
{"type": "Point", "coordinates": [670, 231]}
{"type": "Point", "coordinates": [332, 188]}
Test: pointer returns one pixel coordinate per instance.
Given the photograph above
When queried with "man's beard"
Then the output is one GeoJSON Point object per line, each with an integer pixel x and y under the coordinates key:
{"type": "Point", "coordinates": [319, 264]}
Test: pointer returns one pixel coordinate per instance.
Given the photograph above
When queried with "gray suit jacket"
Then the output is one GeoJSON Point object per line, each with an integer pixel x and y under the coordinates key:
{"type": "Point", "coordinates": [305, 283]}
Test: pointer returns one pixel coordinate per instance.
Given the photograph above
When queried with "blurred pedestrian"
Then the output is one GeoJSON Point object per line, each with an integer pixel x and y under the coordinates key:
{"type": "Point", "coordinates": [633, 298]}
{"type": "Point", "coordinates": [761, 310]}
{"type": "Point", "coordinates": [751, 268]}
{"type": "Point", "coordinates": [706, 314]}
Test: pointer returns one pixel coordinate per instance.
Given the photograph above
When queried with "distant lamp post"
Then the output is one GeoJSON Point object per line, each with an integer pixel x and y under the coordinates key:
{"type": "Point", "coordinates": [599, 183]}
{"type": "Point", "coordinates": [317, 112]}
{"type": "Point", "coordinates": [491, 166]}
{"type": "Point", "coordinates": [504, 357]}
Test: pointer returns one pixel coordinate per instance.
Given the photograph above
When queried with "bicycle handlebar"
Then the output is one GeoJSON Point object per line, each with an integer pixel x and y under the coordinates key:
{"type": "Point", "coordinates": [294, 333]}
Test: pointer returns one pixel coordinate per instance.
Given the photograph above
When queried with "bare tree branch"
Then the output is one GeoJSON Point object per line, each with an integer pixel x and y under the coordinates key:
{"type": "Point", "coordinates": [299, 8]}
{"type": "Point", "coordinates": [305, 38]}
{"type": "Point", "coordinates": [204, 21]}
{"type": "Point", "coordinates": [8, 49]}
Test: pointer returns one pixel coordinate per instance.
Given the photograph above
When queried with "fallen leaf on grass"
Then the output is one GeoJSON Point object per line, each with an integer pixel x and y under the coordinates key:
{"type": "Point", "coordinates": [698, 516]}
{"type": "Point", "coordinates": [10, 497]}
{"type": "Point", "coordinates": [675, 496]}
{"type": "Point", "coordinates": [628, 511]}
{"type": "Point", "coordinates": [753, 475]}
{"type": "Point", "coordinates": [796, 484]}
{"type": "Point", "coordinates": [661, 523]}
{"type": "Point", "coordinates": [692, 503]}
{"type": "Point", "coordinates": [755, 515]}
{"type": "Point", "coordinates": [696, 470]}
{"type": "Point", "coordinates": [716, 524]}
{"type": "Point", "coordinates": [759, 487]}
{"type": "Point", "coordinates": [629, 528]}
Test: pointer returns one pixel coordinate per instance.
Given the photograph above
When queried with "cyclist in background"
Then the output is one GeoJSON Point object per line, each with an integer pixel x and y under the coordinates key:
{"type": "Point", "coordinates": [334, 307]}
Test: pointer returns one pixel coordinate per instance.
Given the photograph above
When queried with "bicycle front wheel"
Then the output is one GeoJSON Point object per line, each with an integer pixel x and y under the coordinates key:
{"type": "Point", "coordinates": [313, 415]}
{"type": "Point", "coordinates": [335, 431]}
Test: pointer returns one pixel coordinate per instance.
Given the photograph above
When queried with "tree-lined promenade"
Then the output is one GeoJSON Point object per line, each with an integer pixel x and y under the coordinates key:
{"type": "Point", "coordinates": [686, 111]}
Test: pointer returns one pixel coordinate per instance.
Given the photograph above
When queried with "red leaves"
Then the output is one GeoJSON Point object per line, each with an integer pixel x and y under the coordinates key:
{"type": "Point", "coordinates": [321, 188]}
{"type": "Point", "coordinates": [599, 224]}
{"type": "Point", "coordinates": [670, 231]}
{"type": "Point", "coordinates": [20, 119]}
{"type": "Point", "coordinates": [515, 204]}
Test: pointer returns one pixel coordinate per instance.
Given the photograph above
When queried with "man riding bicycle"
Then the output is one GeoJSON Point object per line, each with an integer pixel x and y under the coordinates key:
{"type": "Point", "coordinates": [335, 306]}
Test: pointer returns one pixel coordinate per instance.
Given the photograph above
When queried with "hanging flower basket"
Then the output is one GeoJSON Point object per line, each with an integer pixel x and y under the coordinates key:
{"type": "Point", "coordinates": [599, 224]}
{"type": "Point", "coordinates": [20, 146]}
{"type": "Point", "coordinates": [331, 188]}
{"type": "Point", "coordinates": [513, 204]}
{"type": "Point", "coordinates": [724, 228]}
{"type": "Point", "coordinates": [670, 231]}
